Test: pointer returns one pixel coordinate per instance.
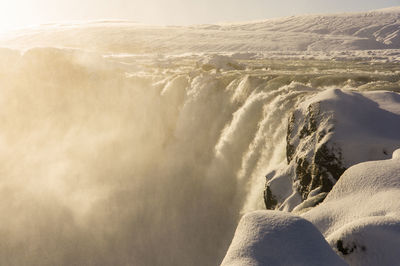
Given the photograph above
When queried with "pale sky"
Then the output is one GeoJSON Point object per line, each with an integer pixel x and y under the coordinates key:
{"type": "Point", "coordinates": [20, 13]}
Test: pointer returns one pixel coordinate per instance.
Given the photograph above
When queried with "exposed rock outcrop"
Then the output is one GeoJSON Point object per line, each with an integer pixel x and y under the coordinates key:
{"type": "Point", "coordinates": [325, 136]}
{"type": "Point", "coordinates": [316, 160]}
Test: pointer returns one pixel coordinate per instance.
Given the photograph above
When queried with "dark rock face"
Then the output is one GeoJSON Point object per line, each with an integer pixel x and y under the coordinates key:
{"type": "Point", "coordinates": [269, 199]}
{"type": "Point", "coordinates": [350, 249]}
{"type": "Point", "coordinates": [316, 161]}
{"type": "Point", "coordinates": [323, 167]}
{"type": "Point", "coordinates": [329, 166]}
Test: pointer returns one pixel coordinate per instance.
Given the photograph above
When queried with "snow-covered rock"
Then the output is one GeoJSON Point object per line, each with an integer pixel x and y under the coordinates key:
{"type": "Point", "coordinates": [278, 238]}
{"type": "Point", "coordinates": [360, 217]}
{"type": "Point", "coordinates": [327, 134]}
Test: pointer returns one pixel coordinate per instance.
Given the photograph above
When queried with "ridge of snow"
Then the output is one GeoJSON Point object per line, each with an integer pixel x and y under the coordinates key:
{"type": "Point", "coordinates": [278, 238]}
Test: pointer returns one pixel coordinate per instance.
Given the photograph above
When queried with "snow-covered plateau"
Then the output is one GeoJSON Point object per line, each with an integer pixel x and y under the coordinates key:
{"type": "Point", "coordinates": [373, 30]}
{"type": "Point", "coordinates": [128, 144]}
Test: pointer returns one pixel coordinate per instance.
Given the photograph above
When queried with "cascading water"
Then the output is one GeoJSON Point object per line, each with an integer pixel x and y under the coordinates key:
{"type": "Point", "coordinates": [108, 162]}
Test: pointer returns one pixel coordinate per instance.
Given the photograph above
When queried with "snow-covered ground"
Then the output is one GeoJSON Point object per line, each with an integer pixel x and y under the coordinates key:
{"type": "Point", "coordinates": [126, 144]}
{"type": "Point", "coordinates": [373, 30]}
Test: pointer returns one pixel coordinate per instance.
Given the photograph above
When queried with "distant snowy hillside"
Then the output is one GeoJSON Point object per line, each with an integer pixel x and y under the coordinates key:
{"type": "Point", "coordinates": [378, 29]}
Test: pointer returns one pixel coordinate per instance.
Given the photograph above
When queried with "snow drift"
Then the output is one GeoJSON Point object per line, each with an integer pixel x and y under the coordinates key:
{"type": "Point", "coordinates": [278, 238]}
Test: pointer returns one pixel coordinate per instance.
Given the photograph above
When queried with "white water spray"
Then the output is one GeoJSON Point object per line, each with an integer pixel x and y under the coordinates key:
{"type": "Point", "coordinates": [106, 163]}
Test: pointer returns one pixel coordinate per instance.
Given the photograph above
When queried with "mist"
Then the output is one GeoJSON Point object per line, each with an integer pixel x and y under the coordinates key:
{"type": "Point", "coordinates": [142, 160]}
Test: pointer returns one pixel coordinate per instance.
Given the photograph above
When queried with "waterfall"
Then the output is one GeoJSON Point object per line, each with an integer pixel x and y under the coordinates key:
{"type": "Point", "coordinates": [108, 162]}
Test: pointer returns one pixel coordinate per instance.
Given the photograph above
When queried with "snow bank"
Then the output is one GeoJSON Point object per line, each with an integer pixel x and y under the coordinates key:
{"type": "Point", "coordinates": [366, 124]}
{"type": "Point", "coordinates": [278, 238]}
{"type": "Point", "coordinates": [360, 217]}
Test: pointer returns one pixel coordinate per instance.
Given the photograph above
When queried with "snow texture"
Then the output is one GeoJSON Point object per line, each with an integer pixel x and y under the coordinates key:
{"type": "Point", "coordinates": [360, 217]}
{"type": "Point", "coordinates": [366, 124]}
{"type": "Point", "coordinates": [278, 238]}
{"type": "Point", "coordinates": [349, 31]}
